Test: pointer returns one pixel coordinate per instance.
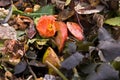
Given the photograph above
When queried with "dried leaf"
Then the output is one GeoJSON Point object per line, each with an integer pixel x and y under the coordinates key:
{"type": "Point", "coordinates": [84, 8]}
{"type": "Point", "coordinates": [65, 14]}
{"type": "Point", "coordinates": [51, 56]}
{"type": "Point", "coordinates": [61, 35]}
{"type": "Point", "coordinates": [7, 32]}
{"type": "Point", "coordinates": [14, 48]}
{"type": "Point", "coordinates": [67, 2]}
{"type": "Point", "coordinates": [75, 30]}
{"type": "Point", "coordinates": [59, 4]}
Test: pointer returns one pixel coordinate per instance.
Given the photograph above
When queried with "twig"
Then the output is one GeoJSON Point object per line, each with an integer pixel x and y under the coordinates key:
{"type": "Point", "coordinates": [57, 71]}
{"type": "Point", "coordinates": [31, 71]}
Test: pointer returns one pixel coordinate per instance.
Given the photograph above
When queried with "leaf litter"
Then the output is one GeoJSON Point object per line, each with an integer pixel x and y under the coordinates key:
{"type": "Point", "coordinates": [59, 40]}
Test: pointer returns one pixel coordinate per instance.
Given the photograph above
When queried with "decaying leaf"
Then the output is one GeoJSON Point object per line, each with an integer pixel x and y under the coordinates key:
{"type": "Point", "coordinates": [61, 35]}
{"type": "Point", "coordinates": [108, 45]}
{"type": "Point", "coordinates": [20, 67]}
{"type": "Point", "coordinates": [72, 61]}
{"type": "Point", "coordinates": [14, 48]}
{"type": "Point", "coordinates": [75, 30]}
{"type": "Point", "coordinates": [65, 14]}
{"type": "Point", "coordinates": [22, 22]}
{"type": "Point", "coordinates": [84, 8]}
{"type": "Point", "coordinates": [7, 32]}
{"type": "Point", "coordinates": [103, 72]}
{"type": "Point", "coordinates": [59, 3]}
{"type": "Point", "coordinates": [51, 56]}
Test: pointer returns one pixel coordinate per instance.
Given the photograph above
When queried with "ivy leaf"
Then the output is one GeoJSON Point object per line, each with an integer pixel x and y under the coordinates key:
{"type": "Point", "coordinates": [113, 21]}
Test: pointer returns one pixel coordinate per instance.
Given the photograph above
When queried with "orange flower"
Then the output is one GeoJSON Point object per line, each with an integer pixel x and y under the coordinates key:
{"type": "Point", "coordinates": [46, 26]}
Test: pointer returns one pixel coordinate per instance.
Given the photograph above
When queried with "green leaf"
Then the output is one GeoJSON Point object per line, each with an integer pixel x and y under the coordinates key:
{"type": "Point", "coordinates": [46, 10]}
{"type": "Point", "coordinates": [113, 21]}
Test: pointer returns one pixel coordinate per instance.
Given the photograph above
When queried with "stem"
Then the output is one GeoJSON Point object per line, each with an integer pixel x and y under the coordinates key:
{"type": "Point", "coordinates": [57, 71]}
{"type": "Point", "coordinates": [31, 71]}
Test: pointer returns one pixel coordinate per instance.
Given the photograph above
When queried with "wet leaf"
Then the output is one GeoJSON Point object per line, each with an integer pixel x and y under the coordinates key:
{"type": "Point", "coordinates": [7, 32]}
{"type": "Point", "coordinates": [75, 30]}
{"type": "Point", "coordinates": [61, 35]}
{"type": "Point", "coordinates": [113, 21]}
{"type": "Point", "coordinates": [72, 61]}
{"type": "Point", "coordinates": [104, 35]}
{"type": "Point", "coordinates": [103, 72]}
{"type": "Point", "coordinates": [51, 56]}
{"type": "Point", "coordinates": [110, 50]}
{"type": "Point", "coordinates": [20, 67]}
{"type": "Point", "coordinates": [108, 45]}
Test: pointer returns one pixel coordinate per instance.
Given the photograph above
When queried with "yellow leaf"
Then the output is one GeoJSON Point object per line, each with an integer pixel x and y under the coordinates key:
{"type": "Point", "coordinates": [51, 56]}
{"type": "Point", "coordinates": [67, 2]}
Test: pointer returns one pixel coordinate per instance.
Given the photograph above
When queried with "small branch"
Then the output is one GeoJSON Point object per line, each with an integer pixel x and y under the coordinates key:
{"type": "Point", "coordinates": [31, 71]}
{"type": "Point", "coordinates": [57, 71]}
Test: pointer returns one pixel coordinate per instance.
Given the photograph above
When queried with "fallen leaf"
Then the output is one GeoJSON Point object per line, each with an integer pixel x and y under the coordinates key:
{"type": "Point", "coordinates": [65, 14]}
{"type": "Point", "coordinates": [14, 48]}
{"type": "Point", "coordinates": [113, 21]}
{"type": "Point", "coordinates": [61, 35]}
{"type": "Point", "coordinates": [46, 26]}
{"type": "Point", "coordinates": [67, 2]}
{"type": "Point", "coordinates": [72, 61]}
{"type": "Point", "coordinates": [51, 56]}
{"type": "Point", "coordinates": [84, 8]}
{"type": "Point", "coordinates": [7, 32]}
{"type": "Point", "coordinates": [75, 30]}
{"type": "Point", "coordinates": [20, 67]}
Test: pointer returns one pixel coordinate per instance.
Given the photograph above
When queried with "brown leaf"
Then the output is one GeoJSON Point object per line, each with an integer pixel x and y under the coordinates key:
{"type": "Point", "coordinates": [59, 4]}
{"type": "Point", "coordinates": [14, 48]}
{"type": "Point", "coordinates": [65, 14]}
{"type": "Point", "coordinates": [22, 22]}
{"type": "Point", "coordinates": [61, 35]}
{"type": "Point", "coordinates": [85, 8]}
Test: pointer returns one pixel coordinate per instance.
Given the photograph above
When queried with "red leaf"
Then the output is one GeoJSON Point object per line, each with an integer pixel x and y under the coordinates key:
{"type": "Point", "coordinates": [61, 34]}
{"type": "Point", "coordinates": [46, 26]}
{"type": "Point", "coordinates": [75, 30]}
